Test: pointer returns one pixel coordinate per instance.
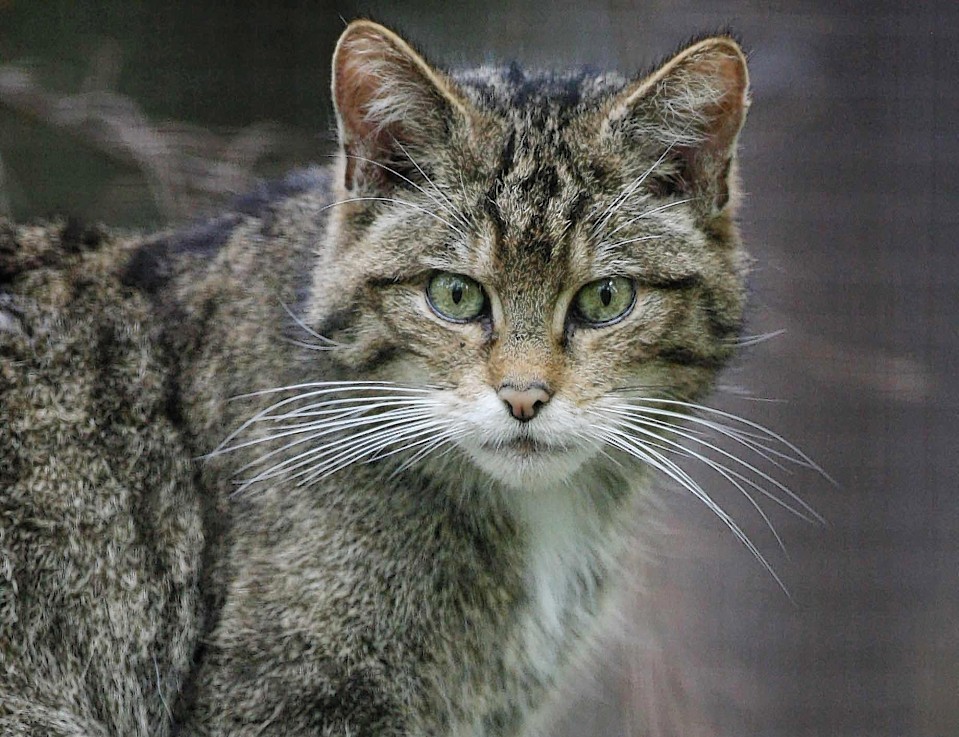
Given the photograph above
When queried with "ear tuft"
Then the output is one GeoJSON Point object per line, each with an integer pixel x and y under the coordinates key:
{"type": "Point", "coordinates": [388, 101]}
{"type": "Point", "coordinates": [693, 107]}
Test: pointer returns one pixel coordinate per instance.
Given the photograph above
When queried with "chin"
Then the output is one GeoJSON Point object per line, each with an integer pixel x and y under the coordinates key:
{"type": "Point", "coordinates": [528, 465]}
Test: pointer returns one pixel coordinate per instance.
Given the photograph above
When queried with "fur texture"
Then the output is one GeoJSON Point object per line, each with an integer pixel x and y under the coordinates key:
{"type": "Point", "coordinates": [372, 544]}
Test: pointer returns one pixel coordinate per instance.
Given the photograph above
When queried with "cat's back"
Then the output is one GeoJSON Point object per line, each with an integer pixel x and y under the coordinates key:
{"type": "Point", "coordinates": [111, 531]}
{"type": "Point", "coordinates": [100, 534]}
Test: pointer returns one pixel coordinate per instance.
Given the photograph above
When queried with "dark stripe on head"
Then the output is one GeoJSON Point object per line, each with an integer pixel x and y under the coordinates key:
{"type": "Point", "coordinates": [492, 212]}
{"type": "Point", "coordinates": [499, 177]}
{"type": "Point", "coordinates": [578, 208]}
{"type": "Point", "coordinates": [545, 179]}
{"type": "Point", "coordinates": [539, 245]}
{"type": "Point", "coordinates": [505, 164]}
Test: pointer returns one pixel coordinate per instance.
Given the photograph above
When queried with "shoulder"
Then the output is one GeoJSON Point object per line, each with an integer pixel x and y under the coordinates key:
{"type": "Point", "coordinates": [63, 307]}
{"type": "Point", "coordinates": [160, 257]}
{"type": "Point", "coordinates": [56, 267]}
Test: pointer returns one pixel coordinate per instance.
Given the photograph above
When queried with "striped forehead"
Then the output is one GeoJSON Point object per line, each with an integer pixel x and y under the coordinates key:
{"type": "Point", "coordinates": [536, 197]}
{"type": "Point", "coordinates": [537, 187]}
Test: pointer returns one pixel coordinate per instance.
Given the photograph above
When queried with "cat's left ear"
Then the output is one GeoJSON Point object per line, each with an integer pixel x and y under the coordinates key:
{"type": "Point", "coordinates": [692, 109]}
{"type": "Point", "coordinates": [391, 106]}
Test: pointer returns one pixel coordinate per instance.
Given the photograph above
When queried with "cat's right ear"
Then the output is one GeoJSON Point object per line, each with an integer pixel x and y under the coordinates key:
{"type": "Point", "coordinates": [390, 106]}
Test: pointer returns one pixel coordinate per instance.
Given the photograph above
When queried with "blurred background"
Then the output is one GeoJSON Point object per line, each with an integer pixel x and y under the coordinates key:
{"type": "Point", "coordinates": [144, 113]}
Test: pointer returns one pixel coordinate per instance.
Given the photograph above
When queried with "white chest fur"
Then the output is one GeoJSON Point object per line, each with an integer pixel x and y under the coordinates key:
{"type": "Point", "coordinates": [571, 550]}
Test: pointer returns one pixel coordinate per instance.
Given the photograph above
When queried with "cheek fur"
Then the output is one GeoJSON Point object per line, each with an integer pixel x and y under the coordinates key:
{"type": "Point", "coordinates": [447, 352]}
{"type": "Point", "coordinates": [601, 359]}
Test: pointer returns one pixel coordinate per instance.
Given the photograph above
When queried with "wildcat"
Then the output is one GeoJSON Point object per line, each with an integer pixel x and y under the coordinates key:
{"type": "Point", "coordinates": [364, 455]}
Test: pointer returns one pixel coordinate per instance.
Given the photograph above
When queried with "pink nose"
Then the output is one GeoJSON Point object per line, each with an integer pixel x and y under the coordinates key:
{"type": "Point", "coordinates": [523, 404]}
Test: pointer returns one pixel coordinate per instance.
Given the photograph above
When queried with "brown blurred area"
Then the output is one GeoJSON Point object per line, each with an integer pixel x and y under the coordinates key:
{"type": "Point", "coordinates": [849, 162]}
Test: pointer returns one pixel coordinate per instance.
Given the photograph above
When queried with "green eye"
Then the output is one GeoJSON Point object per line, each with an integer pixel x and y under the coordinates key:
{"type": "Point", "coordinates": [455, 297]}
{"type": "Point", "coordinates": [605, 300]}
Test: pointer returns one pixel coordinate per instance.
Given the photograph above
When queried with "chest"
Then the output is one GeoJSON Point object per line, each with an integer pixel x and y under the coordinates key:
{"type": "Point", "coordinates": [570, 555]}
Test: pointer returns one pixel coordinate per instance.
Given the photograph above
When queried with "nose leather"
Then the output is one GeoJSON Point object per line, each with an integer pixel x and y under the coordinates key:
{"type": "Point", "coordinates": [523, 404]}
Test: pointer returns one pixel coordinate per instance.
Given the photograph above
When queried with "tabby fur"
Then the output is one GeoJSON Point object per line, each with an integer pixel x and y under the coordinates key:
{"type": "Point", "coordinates": [186, 548]}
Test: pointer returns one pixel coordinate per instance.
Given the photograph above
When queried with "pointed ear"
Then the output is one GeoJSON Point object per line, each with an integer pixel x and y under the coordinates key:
{"type": "Point", "coordinates": [692, 108]}
{"type": "Point", "coordinates": [389, 103]}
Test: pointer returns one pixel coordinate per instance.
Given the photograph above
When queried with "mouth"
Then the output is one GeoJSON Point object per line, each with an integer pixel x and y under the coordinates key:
{"type": "Point", "coordinates": [523, 463]}
{"type": "Point", "coordinates": [525, 447]}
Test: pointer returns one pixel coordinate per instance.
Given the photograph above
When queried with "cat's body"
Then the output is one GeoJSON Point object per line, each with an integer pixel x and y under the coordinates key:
{"type": "Point", "coordinates": [436, 496]}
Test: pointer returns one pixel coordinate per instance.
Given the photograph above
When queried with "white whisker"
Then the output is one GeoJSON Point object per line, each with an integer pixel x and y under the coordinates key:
{"type": "Point", "coordinates": [311, 346]}
{"type": "Point", "coordinates": [735, 478]}
{"type": "Point", "coordinates": [746, 439]}
{"type": "Point", "coordinates": [647, 213]}
{"type": "Point", "coordinates": [650, 456]}
{"type": "Point", "coordinates": [331, 387]}
{"type": "Point", "coordinates": [746, 341]}
{"type": "Point", "coordinates": [349, 441]}
{"type": "Point", "coordinates": [640, 239]}
{"type": "Point", "coordinates": [325, 426]}
{"type": "Point", "coordinates": [307, 329]}
{"type": "Point", "coordinates": [628, 192]}
{"type": "Point", "coordinates": [319, 388]}
{"type": "Point", "coordinates": [677, 448]}
{"type": "Point", "coordinates": [808, 515]}
{"type": "Point", "coordinates": [423, 453]}
{"type": "Point", "coordinates": [732, 476]}
{"type": "Point", "coordinates": [640, 414]}
{"type": "Point", "coordinates": [446, 206]}
{"type": "Point", "coordinates": [372, 448]}
{"type": "Point", "coordinates": [800, 457]}
{"type": "Point", "coordinates": [450, 207]}
{"type": "Point", "coordinates": [323, 429]}
{"type": "Point", "coordinates": [347, 407]}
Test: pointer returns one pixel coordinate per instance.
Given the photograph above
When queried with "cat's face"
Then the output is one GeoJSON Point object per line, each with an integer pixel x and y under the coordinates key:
{"type": "Point", "coordinates": [528, 256]}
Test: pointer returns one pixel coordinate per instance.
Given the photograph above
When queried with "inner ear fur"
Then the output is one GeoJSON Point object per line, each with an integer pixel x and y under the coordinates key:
{"type": "Point", "coordinates": [388, 101]}
{"type": "Point", "coordinates": [692, 108]}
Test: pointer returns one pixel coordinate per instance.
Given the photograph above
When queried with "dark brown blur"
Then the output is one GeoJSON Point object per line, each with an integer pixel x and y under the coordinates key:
{"type": "Point", "coordinates": [849, 161]}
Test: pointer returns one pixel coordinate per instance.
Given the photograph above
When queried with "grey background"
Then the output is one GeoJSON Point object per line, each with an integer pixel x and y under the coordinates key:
{"type": "Point", "coordinates": [849, 161]}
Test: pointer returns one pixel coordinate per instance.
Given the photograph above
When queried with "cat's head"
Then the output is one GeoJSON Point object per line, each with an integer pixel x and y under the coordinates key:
{"type": "Point", "coordinates": [535, 253]}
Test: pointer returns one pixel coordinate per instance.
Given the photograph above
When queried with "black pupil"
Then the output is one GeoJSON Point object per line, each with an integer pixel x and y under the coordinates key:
{"type": "Point", "coordinates": [457, 293]}
{"type": "Point", "coordinates": [606, 294]}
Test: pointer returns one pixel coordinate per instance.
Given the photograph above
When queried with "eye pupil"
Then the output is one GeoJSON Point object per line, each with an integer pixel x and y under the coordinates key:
{"type": "Point", "coordinates": [606, 294]}
{"type": "Point", "coordinates": [457, 293]}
